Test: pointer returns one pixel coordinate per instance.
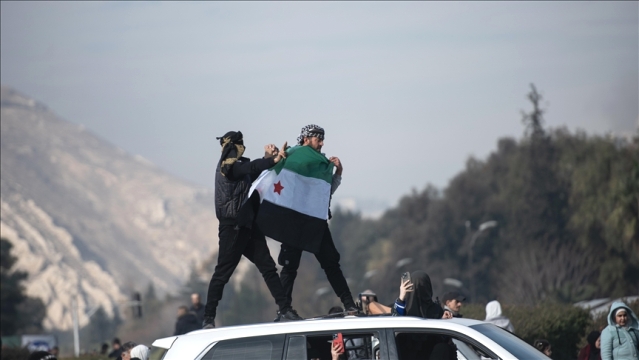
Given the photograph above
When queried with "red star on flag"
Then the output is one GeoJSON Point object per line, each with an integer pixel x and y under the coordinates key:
{"type": "Point", "coordinates": [278, 188]}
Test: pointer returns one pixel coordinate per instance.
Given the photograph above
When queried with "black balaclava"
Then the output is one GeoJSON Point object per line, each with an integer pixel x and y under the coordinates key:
{"type": "Point", "coordinates": [419, 302]}
{"type": "Point", "coordinates": [232, 149]}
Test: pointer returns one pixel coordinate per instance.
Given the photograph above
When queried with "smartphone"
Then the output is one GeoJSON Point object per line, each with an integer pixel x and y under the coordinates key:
{"type": "Point", "coordinates": [405, 276]}
{"type": "Point", "coordinates": [338, 339]}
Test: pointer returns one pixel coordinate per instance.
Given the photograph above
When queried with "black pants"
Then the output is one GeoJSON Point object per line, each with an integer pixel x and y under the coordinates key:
{"type": "Point", "coordinates": [328, 258]}
{"type": "Point", "coordinates": [235, 242]}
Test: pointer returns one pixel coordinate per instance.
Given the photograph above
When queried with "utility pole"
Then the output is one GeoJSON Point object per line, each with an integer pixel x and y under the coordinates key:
{"type": "Point", "coordinates": [76, 330]}
{"type": "Point", "coordinates": [76, 325]}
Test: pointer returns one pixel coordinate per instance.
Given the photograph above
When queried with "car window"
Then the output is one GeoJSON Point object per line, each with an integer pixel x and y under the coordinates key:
{"type": "Point", "coordinates": [317, 346]}
{"type": "Point", "coordinates": [253, 348]}
{"type": "Point", "coordinates": [157, 353]}
{"type": "Point", "coordinates": [516, 346]}
{"type": "Point", "coordinates": [467, 351]}
{"type": "Point", "coordinates": [433, 344]}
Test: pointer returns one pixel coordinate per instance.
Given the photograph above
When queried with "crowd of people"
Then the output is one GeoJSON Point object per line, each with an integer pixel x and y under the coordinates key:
{"type": "Point", "coordinates": [128, 351]}
{"type": "Point", "coordinates": [118, 351]}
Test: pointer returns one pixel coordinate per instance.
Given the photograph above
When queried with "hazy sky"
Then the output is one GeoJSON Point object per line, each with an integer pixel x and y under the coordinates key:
{"type": "Point", "coordinates": [406, 91]}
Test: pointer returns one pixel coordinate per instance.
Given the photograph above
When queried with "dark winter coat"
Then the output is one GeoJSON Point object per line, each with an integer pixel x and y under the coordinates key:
{"type": "Point", "coordinates": [187, 323]}
{"type": "Point", "coordinates": [199, 311]}
{"type": "Point", "coordinates": [231, 191]}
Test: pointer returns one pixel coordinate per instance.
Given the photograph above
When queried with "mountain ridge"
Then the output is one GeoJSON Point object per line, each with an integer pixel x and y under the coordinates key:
{"type": "Point", "coordinates": [85, 217]}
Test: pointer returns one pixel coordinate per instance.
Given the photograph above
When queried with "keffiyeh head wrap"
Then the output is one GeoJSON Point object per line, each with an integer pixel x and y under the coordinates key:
{"type": "Point", "coordinates": [232, 149]}
{"type": "Point", "coordinates": [310, 131]}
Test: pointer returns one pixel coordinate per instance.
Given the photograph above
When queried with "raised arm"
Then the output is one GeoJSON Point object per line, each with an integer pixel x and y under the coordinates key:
{"type": "Point", "coordinates": [254, 168]}
{"type": "Point", "coordinates": [405, 287]}
{"type": "Point", "coordinates": [337, 177]}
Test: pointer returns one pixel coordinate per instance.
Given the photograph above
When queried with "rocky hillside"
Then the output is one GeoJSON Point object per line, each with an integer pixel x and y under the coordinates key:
{"type": "Point", "coordinates": [90, 221]}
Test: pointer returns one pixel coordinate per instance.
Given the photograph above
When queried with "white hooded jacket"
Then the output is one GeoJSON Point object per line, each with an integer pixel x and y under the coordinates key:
{"type": "Point", "coordinates": [494, 315]}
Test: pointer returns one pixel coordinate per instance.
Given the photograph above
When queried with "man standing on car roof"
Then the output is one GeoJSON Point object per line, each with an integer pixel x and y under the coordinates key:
{"type": "Point", "coordinates": [233, 178]}
{"type": "Point", "coordinates": [328, 257]}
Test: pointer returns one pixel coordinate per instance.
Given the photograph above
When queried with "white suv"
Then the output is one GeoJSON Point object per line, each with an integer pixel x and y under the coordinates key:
{"type": "Point", "coordinates": [373, 337]}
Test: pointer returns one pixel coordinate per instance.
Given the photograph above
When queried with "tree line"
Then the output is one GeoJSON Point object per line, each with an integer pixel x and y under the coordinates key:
{"type": "Point", "coordinates": [566, 207]}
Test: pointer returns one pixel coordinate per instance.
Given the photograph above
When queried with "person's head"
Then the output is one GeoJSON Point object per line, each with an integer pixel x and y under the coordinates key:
{"type": "Point", "coordinates": [453, 300]}
{"type": "Point", "coordinates": [195, 298]}
{"type": "Point", "coordinates": [140, 352]}
{"type": "Point", "coordinates": [116, 344]}
{"type": "Point", "coordinates": [126, 350]}
{"type": "Point", "coordinates": [419, 302]}
{"type": "Point", "coordinates": [232, 149]}
{"type": "Point", "coordinates": [621, 317]}
{"type": "Point", "coordinates": [367, 296]}
{"type": "Point", "coordinates": [493, 309]}
{"type": "Point", "coordinates": [231, 137]}
{"type": "Point", "coordinates": [182, 310]}
{"type": "Point", "coordinates": [313, 136]}
{"type": "Point", "coordinates": [593, 339]}
{"type": "Point", "coordinates": [543, 346]}
{"type": "Point", "coordinates": [104, 348]}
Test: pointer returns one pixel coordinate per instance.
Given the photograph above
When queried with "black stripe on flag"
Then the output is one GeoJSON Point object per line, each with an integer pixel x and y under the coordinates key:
{"type": "Point", "coordinates": [291, 227]}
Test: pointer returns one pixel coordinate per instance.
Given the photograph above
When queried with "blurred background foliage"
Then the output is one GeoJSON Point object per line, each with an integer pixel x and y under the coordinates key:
{"type": "Point", "coordinates": [566, 205]}
{"type": "Point", "coordinates": [565, 326]}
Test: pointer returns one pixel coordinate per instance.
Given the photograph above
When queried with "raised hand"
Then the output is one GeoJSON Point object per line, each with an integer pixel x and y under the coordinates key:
{"type": "Point", "coordinates": [405, 287]}
{"type": "Point", "coordinates": [338, 164]}
{"type": "Point", "coordinates": [279, 155]}
{"type": "Point", "coordinates": [270, 150]}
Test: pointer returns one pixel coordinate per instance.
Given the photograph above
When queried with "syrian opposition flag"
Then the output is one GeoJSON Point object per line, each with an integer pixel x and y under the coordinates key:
{"type": "Point", "coordinates": [295, 196]}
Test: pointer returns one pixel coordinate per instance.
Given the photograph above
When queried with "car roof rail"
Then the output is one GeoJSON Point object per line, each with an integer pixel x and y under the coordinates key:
{"type": "Point", "coordinates": [345, 314]}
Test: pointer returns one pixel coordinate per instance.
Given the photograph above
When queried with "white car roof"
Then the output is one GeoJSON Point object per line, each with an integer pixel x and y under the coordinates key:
{"type": "Point", "coordinates": [192, 344]}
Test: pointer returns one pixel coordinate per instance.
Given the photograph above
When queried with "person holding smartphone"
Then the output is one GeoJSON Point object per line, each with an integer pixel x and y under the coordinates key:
{"type": "Point", "coordinates": [415, 297]}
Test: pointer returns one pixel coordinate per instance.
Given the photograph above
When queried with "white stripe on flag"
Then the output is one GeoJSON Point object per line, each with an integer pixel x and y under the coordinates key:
{"type": "Point", "coordinates": [306, 195]}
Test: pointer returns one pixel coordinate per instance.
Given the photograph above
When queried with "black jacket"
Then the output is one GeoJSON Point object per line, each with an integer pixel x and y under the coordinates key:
{"type": "Point", "coordinates": [199, 311]}
{"type": "Point", "coordinates": [187, 323]}
{"type": "Point", "coordinates": [232, 190]}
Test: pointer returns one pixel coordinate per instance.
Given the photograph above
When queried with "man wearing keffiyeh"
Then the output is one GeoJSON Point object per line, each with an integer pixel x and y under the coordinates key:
{"type": "Point", "coordinates": [328, 256]}
{"type": "Point", "coordinates": [233, 177]}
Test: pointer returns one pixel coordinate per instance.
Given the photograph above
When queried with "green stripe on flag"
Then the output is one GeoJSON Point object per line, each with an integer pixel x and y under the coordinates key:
{"type": "Point", "coordinates": [306, 161]}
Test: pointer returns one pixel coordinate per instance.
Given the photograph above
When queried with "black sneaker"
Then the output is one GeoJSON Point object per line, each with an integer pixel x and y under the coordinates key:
{"type": "Point", "coordinates": [277, 318]}
{"type": "Point", "coordinates": [352, 310]}
{"type": "Point", "coordinates": [208, 323]}
{"type": "Point", "coordinates": [288, 315]}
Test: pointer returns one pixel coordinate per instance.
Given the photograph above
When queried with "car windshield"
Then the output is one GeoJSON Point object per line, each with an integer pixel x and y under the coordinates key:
{"type": "Point", "coordinates": [516, 346]}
